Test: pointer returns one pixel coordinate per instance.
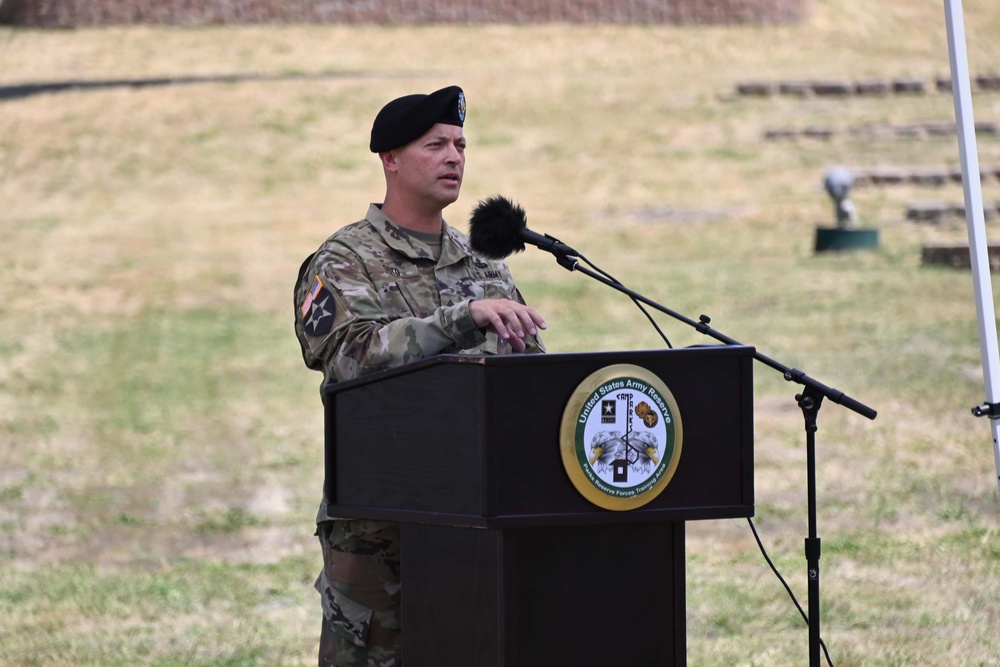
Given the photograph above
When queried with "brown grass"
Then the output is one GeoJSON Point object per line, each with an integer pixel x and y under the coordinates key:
{"type": "Point", "coordinates": [156, 424]}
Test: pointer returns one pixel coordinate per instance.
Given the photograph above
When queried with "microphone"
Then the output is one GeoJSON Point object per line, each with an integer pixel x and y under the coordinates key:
{"type": "Point", "coordinates": [498, 227]}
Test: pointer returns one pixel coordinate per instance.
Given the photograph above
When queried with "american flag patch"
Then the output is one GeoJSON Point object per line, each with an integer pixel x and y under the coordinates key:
{"type": "Point", "coordinates": [313, 291]}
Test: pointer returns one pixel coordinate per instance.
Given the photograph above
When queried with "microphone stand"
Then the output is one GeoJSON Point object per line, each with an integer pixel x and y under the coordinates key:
{"type": "Point", "coordinates": [809, 401]}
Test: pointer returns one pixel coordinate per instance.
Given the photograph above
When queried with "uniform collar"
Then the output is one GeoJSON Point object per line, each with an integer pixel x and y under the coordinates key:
{"type": "Point", "coordinates": [454, 244]}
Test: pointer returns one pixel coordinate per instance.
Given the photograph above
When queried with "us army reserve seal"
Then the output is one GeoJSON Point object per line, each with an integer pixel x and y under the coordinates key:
{"type": "Point", "coordinates": [621, 437]}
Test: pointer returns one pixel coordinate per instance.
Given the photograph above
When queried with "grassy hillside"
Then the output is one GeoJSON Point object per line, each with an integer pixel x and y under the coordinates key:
{"type": "Point", "coordinates": [160, 440]}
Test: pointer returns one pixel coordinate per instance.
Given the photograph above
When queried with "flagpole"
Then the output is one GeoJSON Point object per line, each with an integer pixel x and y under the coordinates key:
{"type": "Point", "coordinates": [975, 221]}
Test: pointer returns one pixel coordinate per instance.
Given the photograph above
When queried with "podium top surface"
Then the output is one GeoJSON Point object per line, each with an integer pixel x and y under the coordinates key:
{"type": "Point", "coordinates": [551, 358]}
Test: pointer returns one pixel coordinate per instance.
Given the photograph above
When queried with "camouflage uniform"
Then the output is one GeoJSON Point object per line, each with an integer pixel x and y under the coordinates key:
{"type": "Point", "coordinates": [373, 297]}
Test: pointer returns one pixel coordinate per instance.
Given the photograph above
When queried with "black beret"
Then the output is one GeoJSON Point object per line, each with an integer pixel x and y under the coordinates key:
{"type": "Point", "coordinates": [408, 118]}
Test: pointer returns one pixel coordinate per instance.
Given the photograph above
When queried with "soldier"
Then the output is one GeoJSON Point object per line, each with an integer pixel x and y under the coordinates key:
{"type": "Point", "coordinates": [397, 286]}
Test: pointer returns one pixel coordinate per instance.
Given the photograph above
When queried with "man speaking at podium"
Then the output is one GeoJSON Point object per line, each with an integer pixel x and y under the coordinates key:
{"type": "Point", "coordinates": [398, 286]}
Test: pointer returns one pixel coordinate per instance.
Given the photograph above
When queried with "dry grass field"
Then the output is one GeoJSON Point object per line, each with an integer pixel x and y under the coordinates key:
{"type": "Point", "coordinates": [160, 440]}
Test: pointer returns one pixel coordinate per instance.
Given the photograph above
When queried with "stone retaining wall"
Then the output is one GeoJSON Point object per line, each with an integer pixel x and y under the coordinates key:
{"type": "Point", "coordinates": [941, 213]}
{"type": "Point", "coordinates": [880, 131]}
{"type": "Point", "coordinates": [862, 88]}
{"type": "Point", "coordinates": [923, 176]}
{"type": "Point", "coordinates": [958, 255]}
{"type": "Point", "coordinates": [76, 13]}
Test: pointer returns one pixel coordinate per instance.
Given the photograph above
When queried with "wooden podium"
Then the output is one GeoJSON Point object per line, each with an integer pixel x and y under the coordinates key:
{"type": "Point", "coordinates": [504, 562]}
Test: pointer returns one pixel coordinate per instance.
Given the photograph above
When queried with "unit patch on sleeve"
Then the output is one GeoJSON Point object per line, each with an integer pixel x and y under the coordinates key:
{"type": "Point", "coordinates": [317, 310]}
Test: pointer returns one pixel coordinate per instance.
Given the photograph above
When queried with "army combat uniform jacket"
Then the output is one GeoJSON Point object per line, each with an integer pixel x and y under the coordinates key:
{"type": "Point", "coordinates": [373, 297]}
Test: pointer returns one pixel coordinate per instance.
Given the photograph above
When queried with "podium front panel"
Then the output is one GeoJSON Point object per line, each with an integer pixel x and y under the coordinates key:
{"type": "Point", "coordinates": [412, 442]}
{"type": "Point", "coordinates": [476, 440]}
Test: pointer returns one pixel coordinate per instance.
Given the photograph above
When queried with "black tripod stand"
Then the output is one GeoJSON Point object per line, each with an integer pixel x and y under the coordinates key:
{"type": "Point", "coordinates": [809, 401]}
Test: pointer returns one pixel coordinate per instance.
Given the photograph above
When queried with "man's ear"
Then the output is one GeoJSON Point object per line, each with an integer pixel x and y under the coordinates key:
{"type": "Point", "coordinates": [388, 159]}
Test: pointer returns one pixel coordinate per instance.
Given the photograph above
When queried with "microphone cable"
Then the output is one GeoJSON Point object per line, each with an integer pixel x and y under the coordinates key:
{"type": "Point", "coordinates": [788, 589]}
{"type": "Point", "coordinates": [638, 303]}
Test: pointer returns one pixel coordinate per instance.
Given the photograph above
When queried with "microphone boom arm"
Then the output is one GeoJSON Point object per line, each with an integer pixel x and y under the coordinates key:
{"type": "Point", "coordinates": [571, 262]}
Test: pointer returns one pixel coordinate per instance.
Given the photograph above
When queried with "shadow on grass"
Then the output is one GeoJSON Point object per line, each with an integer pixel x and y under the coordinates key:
{"type": "Point", "coordinates": [23, 90]}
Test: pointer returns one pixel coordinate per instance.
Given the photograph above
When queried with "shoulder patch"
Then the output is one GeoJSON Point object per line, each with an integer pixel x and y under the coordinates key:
{"type": "Point", "coordinates": [317, 310]}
